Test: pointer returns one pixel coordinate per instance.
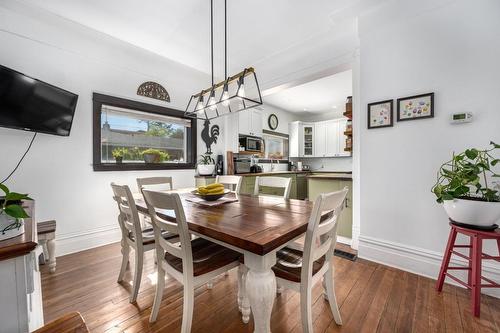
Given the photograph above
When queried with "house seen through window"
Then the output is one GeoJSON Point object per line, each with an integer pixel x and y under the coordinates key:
{"type": "Point", "coordinates": [133, 134]}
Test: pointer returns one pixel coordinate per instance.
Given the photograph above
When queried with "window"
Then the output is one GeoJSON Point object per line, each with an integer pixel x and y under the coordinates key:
{"type": "Point", "coordinates": [276, 145]}
{"type": "Point", "coordinates": [130, 135]}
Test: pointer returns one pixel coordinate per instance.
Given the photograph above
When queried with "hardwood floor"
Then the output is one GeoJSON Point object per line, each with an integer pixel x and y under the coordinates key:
{"type": "Point", "coordinates": [372, 298]}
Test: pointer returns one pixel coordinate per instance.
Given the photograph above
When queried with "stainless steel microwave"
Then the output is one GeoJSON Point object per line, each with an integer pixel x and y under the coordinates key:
{"type": "Point", "coordinates": [251, 144]}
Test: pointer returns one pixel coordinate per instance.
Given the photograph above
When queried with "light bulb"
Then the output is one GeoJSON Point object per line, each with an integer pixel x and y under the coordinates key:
{"type": "Point", "coordinates": [241, 91]}
{"type": "Point", "coordinates": [199, 106]}
{"type": "Point", "coordinates": [225, 97]}
{"type": "Point", "coordinates": [211, 101]}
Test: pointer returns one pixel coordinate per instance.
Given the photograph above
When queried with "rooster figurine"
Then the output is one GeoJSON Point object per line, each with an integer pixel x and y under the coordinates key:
{"type": "Point", "coordinates": [209, 135]}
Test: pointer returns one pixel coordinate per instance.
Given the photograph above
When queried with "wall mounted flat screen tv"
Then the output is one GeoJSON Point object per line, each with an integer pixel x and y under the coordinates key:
{"type": "Point", "coordinates": [32, 105]}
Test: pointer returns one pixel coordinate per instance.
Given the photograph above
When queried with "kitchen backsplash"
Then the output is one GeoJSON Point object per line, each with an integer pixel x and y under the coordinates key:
{"type": "Point", "coordinates": [327, 164]}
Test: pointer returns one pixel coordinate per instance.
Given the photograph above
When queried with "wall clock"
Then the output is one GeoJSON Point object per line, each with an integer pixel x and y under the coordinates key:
{"type": "Point", "coordinates": [273, 121]}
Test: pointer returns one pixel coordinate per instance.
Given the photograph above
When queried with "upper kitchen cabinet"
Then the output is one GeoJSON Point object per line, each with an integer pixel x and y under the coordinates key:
{"type": "Point", "coordinates": [250, 122]}
{"type": "Point", "coordinates": [307, 140]}
{"type": "Point", "coordinates": [301, 139]}
{"type": "Point", "coordinates": [320, 139]}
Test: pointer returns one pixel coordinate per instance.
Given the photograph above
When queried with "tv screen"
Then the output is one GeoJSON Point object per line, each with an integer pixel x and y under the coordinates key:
{"type": "Point", "coordinates": [33, 105]}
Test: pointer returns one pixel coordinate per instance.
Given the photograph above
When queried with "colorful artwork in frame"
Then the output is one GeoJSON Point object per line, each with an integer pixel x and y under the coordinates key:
{"type": "Point", "coordinates": [416, 107]}
{"type": "Point", "coordinates": [380, 114]}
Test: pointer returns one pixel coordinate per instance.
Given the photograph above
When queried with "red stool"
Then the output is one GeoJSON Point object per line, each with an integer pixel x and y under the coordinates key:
{"type": "Point", "coordinates": [476, 255]}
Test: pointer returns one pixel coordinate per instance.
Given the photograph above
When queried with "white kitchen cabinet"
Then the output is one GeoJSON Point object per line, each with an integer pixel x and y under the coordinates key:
{"type": "Point", "coordinates": [294, 138]}
{"type": "Point", "coordinates": [250, 122]}
{"type": "Point", "coordinates": [306, 144]}
{"type": "Point", "coordinates": [320, 139]}
{"type": "Point", "coordinates": [332, 138]}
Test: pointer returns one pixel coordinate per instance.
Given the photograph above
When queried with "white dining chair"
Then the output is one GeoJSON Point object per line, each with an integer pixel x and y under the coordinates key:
{"type": "Point", "coordinates": [301, 266]}
{"type": "Point", "coordinates": [273, 182]}
{"type": "Point", "coordinates": [192, 262]}
{"type": "Point", "coordinates": [155, 183]}
{"type": "Point", "coordinates": [233, 183]}
{"type": "Point", "coordinates": [133, 236]}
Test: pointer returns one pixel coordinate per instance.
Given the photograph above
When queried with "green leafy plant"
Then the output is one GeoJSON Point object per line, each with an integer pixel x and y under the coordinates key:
{"type": "Point", "coordinates": [119, 152]}
{"type": "Point", "coordinates": [162, 156]}
{"type": "Point", "coordinates": [206, 159]}
{"type": "Point", "coordinates": [10, 205]}
{"type": "Point", "coordinates": [466, 176]}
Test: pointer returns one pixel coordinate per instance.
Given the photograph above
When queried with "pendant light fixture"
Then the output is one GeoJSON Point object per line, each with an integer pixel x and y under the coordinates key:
{"type": "Point", "coordinates": [236, 93]}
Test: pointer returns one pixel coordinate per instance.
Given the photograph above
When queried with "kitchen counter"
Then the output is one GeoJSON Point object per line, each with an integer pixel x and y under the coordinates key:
{"type": "Point", "coordinates": [272, 173]}
{"type": "Point", "coordinates": [331, 175]}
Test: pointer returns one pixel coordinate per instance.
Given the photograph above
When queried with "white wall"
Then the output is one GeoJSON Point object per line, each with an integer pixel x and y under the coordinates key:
{"type": "Point", "coordinates": [57, 172]}
{"type": "Point", "coordinates": [284, 118]}
{"type": "Point", "coordinates": [447, 47]}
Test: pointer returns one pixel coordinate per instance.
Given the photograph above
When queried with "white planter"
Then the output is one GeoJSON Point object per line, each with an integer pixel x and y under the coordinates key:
{"type": "Point", "coordinates": [5, 222]}
{"type": "Point", "coordinates": [206, 169]}
{"type": "Point", "coordinates": [480, 213]}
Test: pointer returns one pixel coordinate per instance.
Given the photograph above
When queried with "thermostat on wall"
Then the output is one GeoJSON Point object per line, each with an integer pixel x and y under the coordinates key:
{"type": "Point", "coordinates": [459, 118]}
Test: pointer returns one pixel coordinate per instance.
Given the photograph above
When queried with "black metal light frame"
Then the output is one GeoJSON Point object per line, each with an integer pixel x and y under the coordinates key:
{"type": "Point", "coordinates": [201, 113]}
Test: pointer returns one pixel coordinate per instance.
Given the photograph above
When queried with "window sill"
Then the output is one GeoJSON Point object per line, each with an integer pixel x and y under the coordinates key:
{"type": "Point", "coordinates": [142, 166]}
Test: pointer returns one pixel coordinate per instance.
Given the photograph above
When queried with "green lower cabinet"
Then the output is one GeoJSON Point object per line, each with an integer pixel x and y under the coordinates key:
{"type": "Point", "coordinates": [248, 185]}
{"type": "Point", "coordinates": [204, 181]}
{"type": "Point", "coordinates": [317, 186]}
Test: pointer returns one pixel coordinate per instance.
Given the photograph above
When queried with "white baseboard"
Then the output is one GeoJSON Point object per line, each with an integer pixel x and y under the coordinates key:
{"type": "Point", "coordinates": [79, 241]}
{"type": "Point", "coordinates": [419, 261]}
{"type": "Point", "coordinates": [344, 240]}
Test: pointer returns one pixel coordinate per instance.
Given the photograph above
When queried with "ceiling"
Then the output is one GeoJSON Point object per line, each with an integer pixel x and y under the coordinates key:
{"type": "Point", "coordinates": [276, 37]}
{"type": "Point", "coordinates": [319, 96]}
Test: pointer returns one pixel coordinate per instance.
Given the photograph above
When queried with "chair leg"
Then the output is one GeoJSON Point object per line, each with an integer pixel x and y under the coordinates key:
{"type": "Point", "coordinates": [306, 309]}
{"type": "Point", "coordinates": [446, 259]}
{"type": "Point", "coordinates": [328, 280]}
{"type": "Point", "coordinates": [139, 256]}
{"type": "Point", "coordinates": [51, 249]}
{"type": "Point", "coordinates": [125, 258]}
{"type": "Point", "coordinates": [476, 275]}
{"type": "Point", "coordinates": [160, 285]}
{"type": "Point", "coordinates": [187, 310]}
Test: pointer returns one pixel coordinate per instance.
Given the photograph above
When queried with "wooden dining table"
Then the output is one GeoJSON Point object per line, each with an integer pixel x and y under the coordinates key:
{"type": "Point", "coordinates": [257, 227]}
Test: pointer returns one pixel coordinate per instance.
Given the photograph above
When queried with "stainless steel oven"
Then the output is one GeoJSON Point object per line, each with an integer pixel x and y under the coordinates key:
{"type": "Point", "coordinates": [251, 144]}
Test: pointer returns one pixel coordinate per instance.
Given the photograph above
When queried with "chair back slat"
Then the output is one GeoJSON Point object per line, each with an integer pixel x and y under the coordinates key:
{"type": "Point", "coordinates": [327, 224]}
{"type": "Point", "coordinates": [321, 250]}
{"type": "Point", "coordinates": [232, 183]}
{"type": "Point", "coordinates": [273, 182]}
{"type": "Point", "coordinates": [155, 183]}
{"type": "Point", "coordinates": [322, 226]}
{"type": "Point", "coordinates": [128, 218]}
{"type": "Point", "coordinates": [170, 201]}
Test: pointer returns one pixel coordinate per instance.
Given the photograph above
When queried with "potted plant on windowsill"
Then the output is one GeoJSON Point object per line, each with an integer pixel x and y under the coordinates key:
{"type": "Point", "coordinates": [119, 153]}
{"type": "Point", "coordinates": [206, 165]}
{"type": "Point", "coordinates": [12, 213]}
{"type": "Point", "coordinates": [465, 187]}
{"type": "Point", "coordinates": [154, 155]}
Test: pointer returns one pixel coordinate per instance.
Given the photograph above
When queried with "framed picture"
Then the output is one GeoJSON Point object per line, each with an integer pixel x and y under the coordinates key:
{"type": "Point", "coordinates": [380, 114]}
{"type": "Point", "coordinates": [416, 107]}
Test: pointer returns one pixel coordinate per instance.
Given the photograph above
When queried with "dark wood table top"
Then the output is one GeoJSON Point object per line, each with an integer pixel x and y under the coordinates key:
{"type": "Point", "coordinates": [255, 224]}
{"type": "Point", "coordinates": [22, 244]}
